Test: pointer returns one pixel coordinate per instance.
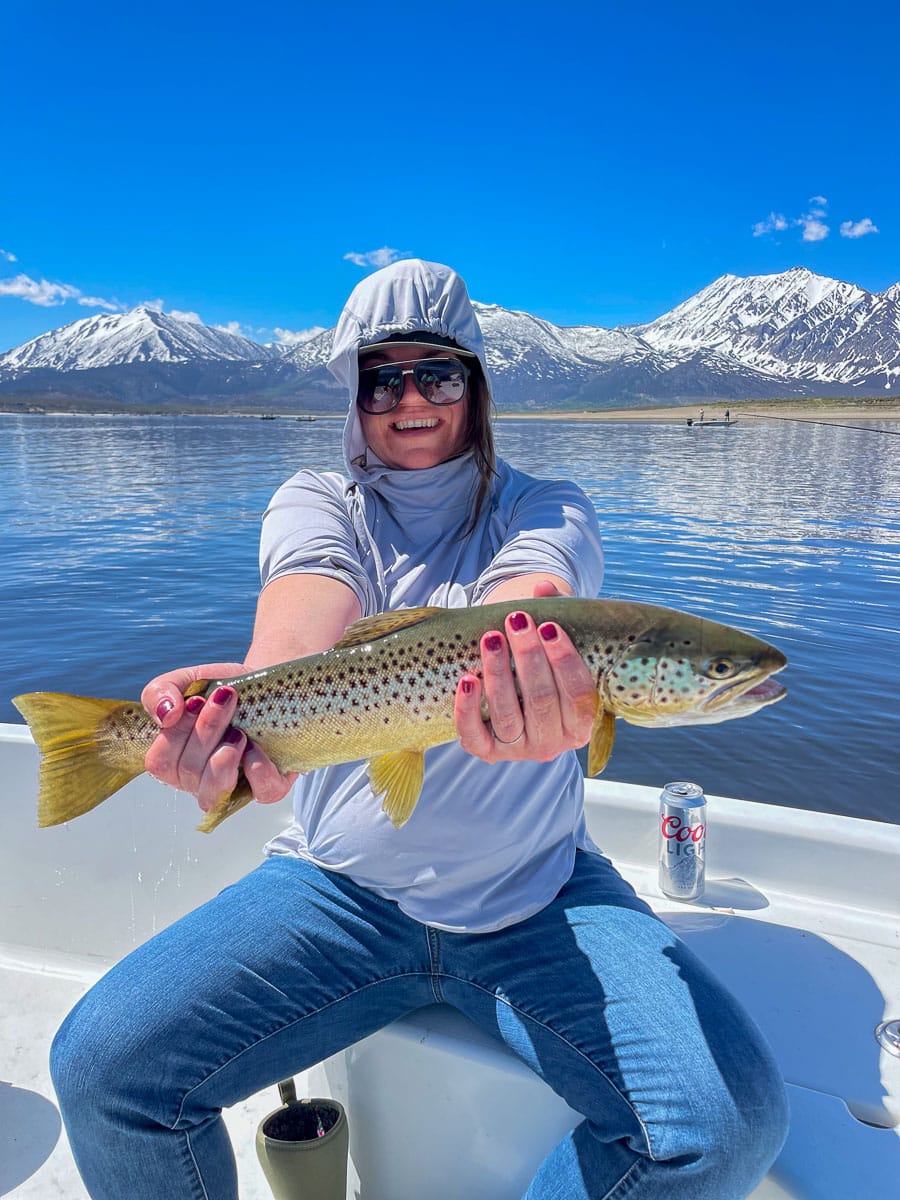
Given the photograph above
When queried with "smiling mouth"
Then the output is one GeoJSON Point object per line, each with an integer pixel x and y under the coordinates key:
{"type": "Point", "coordinates": [420, 423]}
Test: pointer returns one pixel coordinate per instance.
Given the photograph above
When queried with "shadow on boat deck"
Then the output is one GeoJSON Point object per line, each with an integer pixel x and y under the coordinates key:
{"type": "Point", "coordinates": [30, 1126]}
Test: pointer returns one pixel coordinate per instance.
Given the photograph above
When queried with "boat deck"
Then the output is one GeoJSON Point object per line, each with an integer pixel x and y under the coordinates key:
{"type": "Point", "coordinates": [801, 919]}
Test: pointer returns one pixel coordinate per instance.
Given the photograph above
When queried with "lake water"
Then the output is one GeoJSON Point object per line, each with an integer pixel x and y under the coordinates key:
{"type": "Point", "coordinates": [129, 546]}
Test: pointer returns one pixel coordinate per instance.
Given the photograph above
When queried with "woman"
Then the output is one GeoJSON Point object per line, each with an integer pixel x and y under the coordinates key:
{"type": "Point", "coordinates": [491, 898]}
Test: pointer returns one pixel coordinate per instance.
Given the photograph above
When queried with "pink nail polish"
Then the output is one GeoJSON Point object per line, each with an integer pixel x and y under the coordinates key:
{"type": "Point", "coordinates": [549, 633]}
{"type": "Point", "coordinates": [493, 642]}
{"type": "Point", "coordinates": [468, 687]}
{"type": "Point", "coordinates": [518, 621]}
{"type": "Point", "coordinates": [163, 709]}
{"type": "Point", "coordinates": [194, 704]}
{"type": "Point", "coordinates": [232, 735]}
{"type": "Point", "coordinates": [222, 695]}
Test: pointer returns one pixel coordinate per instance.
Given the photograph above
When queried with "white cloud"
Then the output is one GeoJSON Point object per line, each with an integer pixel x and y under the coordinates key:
{"type": "Point", "coordinates": [287, 337]}
{"type": "Point", "coordinates": [858, 229]}
{"type": "Point", "coordinates": [49, 295]}
{"type": "Point", "coordinates": [186, 316]}
{"type": "Point", "coordinates": [8, 256]}
{"type": "Point", "coordinates": [231, 327]}
{"type": "Point", "coordinates": [377, 258]}
{"type": "Point", "coordinates": [813, 224]}
{"type": "Point", "coordinates": [774, 223]}
{"type": "Point", "coordinates": [37, 291]}
{"type": "Point", "coordinates": [813, 229]}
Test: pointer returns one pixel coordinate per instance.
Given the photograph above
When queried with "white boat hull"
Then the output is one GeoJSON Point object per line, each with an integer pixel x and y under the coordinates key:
{"type": "Point", "coordinates": [801, 919]}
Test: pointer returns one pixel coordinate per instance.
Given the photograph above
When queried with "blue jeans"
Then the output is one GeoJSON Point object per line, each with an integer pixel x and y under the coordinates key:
{"type": "Point", "coordinates": [680, 1095]}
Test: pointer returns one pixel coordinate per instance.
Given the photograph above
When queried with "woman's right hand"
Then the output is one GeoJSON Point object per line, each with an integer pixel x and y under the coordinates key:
{"type": "Point", "coordinates": [197, 749]}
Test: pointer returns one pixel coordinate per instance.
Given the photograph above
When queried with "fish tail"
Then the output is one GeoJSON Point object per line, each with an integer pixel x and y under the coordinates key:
{"type": "Point", "coordinates": [74, 778]}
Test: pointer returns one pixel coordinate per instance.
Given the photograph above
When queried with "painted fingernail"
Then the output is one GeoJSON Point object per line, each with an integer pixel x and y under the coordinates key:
{"type": "Point", "coordinates": [193, 704]}
{"type": "Point", "coordinates": [232, 735]}
{"type": "Point", "coordinates": [222, 695]}
{"type": "Point", "coordinates": [163, 709]}
{"type": "Point", "coordinates": [549, 632]}
{"type": "Point", "coordinates": [518, 621]}
{"type": "Point", "coordinates": [468, 687]}
{"type": "Point", "coordinates": [493, 642]}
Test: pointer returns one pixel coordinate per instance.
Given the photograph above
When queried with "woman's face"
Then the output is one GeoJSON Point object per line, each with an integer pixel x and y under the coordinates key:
{"type": "Point", "coordinates": [415, 434]}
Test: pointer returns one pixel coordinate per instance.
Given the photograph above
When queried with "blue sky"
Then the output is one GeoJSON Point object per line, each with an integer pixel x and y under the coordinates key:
{"type": "Point", "coordinates": [587, 162]}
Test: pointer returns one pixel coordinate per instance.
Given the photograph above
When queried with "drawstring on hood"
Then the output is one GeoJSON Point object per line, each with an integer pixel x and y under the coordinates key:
{"type": "Point", "coordinates": [408, 296]}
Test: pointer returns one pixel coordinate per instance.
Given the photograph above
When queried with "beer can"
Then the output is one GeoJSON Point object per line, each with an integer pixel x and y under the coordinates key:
{"type": "Point", "coordinates": [682, 841]}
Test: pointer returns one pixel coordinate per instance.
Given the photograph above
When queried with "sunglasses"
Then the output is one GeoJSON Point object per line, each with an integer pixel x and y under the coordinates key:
{"type": "Point", "coordinates": [438, 380]}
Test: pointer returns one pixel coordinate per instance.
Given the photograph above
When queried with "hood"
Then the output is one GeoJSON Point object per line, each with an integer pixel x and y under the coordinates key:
{"type": "Point", "coordinates": [406, 296]}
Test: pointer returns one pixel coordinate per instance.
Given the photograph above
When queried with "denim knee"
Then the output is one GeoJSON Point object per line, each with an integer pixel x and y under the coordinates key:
{"type": "Point", "coordinates": [91, 1058]}
{"type": "Point", "coordinates": [72, 1057]}
{"type": "Point", "coordinates": [746, 1133]}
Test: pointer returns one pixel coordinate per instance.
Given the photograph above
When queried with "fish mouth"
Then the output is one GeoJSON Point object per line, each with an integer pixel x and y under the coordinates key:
{"type": "Point", "coordinates": [742, 697]}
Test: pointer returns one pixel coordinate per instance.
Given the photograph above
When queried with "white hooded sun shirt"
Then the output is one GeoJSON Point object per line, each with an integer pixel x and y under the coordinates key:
{"type": "Point", "coordinates": [487, 844]}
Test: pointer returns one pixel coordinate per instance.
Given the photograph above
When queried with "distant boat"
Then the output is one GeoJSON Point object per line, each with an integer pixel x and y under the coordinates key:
{"type": "Point", "coordinates": [704, 424]}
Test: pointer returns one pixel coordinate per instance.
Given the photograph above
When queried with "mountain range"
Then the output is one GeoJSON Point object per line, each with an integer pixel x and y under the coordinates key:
{"type": "Point", "coordinates": [764, 336]}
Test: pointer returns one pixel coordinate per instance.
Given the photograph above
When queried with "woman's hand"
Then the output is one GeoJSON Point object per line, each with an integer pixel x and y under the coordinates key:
{"type": "Point", "coordinates": [558, 696]}
{"type": "Point", "coordinates": [198, 750]}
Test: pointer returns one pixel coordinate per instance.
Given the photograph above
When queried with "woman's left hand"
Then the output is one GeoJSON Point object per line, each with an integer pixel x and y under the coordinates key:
{"type": "Point", "coordinates": [558, 697]}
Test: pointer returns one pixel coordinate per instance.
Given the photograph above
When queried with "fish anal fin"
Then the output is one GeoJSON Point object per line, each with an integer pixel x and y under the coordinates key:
{"type": "Point", "coordinates": [197, 688]}
{"type": "Point", "coordinates": [602, 737]}
{"type": "Point", "coordinates": [227, 805]}
{"type": "Point", "coordinates": [398, 777]}
{"type": "Point", "coordinates": [369, 629]}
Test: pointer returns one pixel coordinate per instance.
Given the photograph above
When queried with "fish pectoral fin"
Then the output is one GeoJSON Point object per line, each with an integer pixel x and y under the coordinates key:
{"type": "Point", "coordinates": [369, 629]}
{"type": "Point", "coordinates": [398, 777]}
{"type": "Point", "coordinates": [227, 805]}
{"type": "Point", "coordinates": [602, 737]}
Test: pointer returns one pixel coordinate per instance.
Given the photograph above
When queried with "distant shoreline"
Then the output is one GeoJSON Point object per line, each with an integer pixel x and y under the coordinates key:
{"type": "Point", "coordinates": [739, 410]}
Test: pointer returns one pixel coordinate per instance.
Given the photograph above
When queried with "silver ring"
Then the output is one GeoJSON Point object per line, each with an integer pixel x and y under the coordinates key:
{"type": "Point", "coordinates": [502, 742]}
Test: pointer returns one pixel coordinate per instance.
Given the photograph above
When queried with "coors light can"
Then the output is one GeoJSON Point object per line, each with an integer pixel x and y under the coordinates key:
{"type": "Point", "coordinates": [682, 841]}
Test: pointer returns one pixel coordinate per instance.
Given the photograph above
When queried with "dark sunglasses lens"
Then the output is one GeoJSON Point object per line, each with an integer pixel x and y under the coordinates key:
{"type": "Point", "coordinates": [380, 388]}
{"type": "Point", "coordinates": [441, 381]}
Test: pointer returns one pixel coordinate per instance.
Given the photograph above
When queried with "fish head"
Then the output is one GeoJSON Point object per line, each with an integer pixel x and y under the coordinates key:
{"type": "Point", "coordinates": [686, 670]}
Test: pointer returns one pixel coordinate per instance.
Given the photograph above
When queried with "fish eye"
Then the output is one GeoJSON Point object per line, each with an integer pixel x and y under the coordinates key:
{"type": "Point", "coordinates": [720, 668]}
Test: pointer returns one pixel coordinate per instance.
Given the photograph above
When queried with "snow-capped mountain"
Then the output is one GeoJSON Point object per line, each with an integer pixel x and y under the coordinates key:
{"type": "Point", "coordinates": [796, 326]}
{"type": "Point", "coordinates": [784, 335]}
{"type": "Point", "coordinates": [140, 336]}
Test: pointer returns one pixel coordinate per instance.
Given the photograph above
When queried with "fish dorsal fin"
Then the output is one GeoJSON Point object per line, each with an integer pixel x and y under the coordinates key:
{"type": "Point", "coordinates": [601, 744]}
{"type": "Point", "coordinates": [398, 777]}
{"type": "Point", "coordinates": [369, 629]}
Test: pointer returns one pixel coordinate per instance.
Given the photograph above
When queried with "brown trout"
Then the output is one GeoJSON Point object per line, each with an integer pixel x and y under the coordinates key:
{"type": "Point", "coordinates": [385, 693]}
